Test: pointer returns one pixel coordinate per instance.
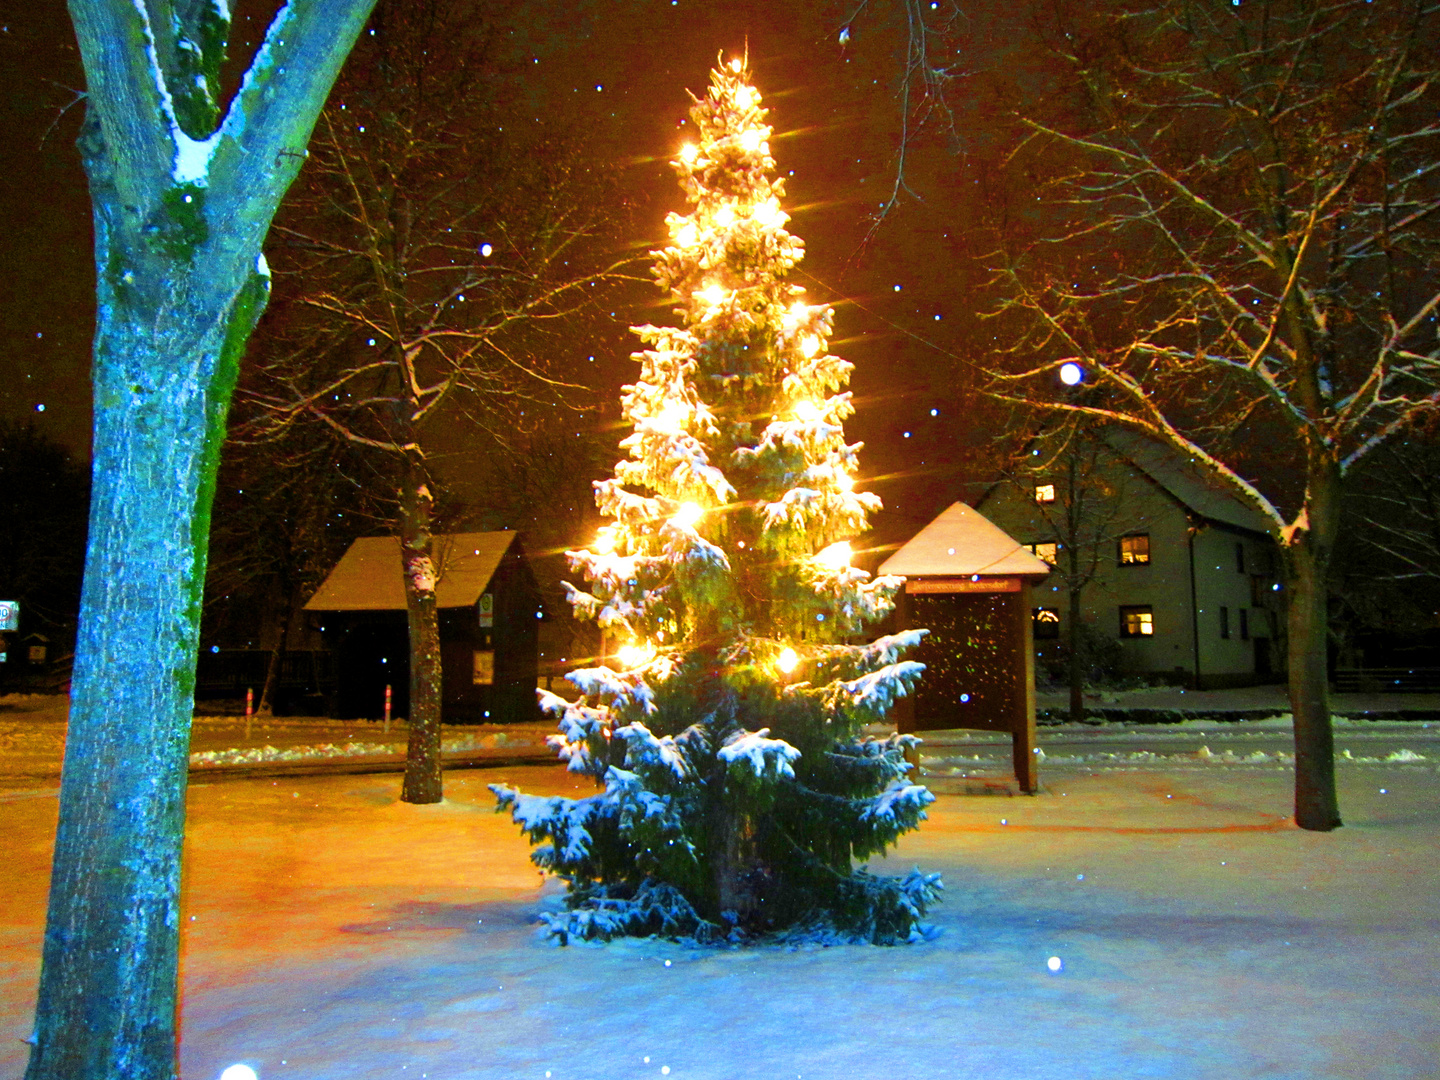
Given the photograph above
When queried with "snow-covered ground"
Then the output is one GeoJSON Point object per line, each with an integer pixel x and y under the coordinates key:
{"type": "Point", "coordinates": [331, 932]}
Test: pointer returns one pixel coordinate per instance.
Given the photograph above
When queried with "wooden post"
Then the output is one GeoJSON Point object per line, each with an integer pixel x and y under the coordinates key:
{"type": "Point", "coordinates": [1022, 739]}
{"type": "Point", "coordinates": [904, 709]}
{"type": "Point", "coordinates": [387, 708]}
{"type": "Point", "coordinates": [249, 709]}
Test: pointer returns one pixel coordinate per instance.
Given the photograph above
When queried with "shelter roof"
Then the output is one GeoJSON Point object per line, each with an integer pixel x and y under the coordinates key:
{"type": "Point", "coordinates": [369, 576]}
{"type": "Point", "coordinates": [963, 541]}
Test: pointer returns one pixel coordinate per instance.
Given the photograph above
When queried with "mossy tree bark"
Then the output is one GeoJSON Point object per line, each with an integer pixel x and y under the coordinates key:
{"type": "Point", "coordinates": [179, 223]}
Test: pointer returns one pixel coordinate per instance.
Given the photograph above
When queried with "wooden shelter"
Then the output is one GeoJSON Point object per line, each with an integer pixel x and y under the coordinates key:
{"type": "Point", "coordinates": [489, 612]}
{"type": "Point", "coordinates": [968, 583]}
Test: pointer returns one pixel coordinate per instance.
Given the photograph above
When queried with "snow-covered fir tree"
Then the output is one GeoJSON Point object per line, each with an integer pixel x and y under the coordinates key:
{"type": "Point", "coordinates": [738, 791]}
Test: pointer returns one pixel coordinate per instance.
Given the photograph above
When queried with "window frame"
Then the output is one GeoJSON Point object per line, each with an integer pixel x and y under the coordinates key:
{"type": "Point", "coordinates": [1036, 622]}
{"type": "Point", "coordinates": [1034, 550]}
{"type": "Point", "coordinates": [1145, 616]}
{"type": "Point", "coordinates": [1120, 551]}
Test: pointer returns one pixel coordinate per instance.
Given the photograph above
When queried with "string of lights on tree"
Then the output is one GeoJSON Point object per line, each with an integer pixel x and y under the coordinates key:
{"type": "Point", "coordinates": [726, 729]}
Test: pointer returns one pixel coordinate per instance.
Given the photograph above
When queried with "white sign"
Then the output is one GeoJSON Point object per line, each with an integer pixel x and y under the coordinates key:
{"type": "Point", "coordinates": [9, 614]}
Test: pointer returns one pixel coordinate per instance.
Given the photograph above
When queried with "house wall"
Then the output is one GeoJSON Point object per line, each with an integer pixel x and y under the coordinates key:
{"type": "Point", "coordinates": [1164, 584]}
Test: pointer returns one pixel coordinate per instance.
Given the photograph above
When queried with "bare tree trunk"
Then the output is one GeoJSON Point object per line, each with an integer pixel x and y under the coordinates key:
{"type": "Point", "coordinates": [277, 655]}
{"type": "Point", "coordinates": [163, 375]}
{"type": "Point", "coordinates": [1307, 565]}
{"type": "Point", "coordinates": [1075, 670]}
{"type": "Point", "coordinates": [423, 782]}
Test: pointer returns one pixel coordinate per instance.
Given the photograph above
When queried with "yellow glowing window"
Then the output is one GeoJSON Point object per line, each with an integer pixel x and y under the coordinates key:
{"type": "Point", "coordinates": [1044, 493]}
{"type": "Point", "coordinates": [1044, 552]}
{"type": "Point", "coordinates": [1135, 549]}
{"type": "Point", "coordinates": [1137, 620]}
{"type": "Point", "coordinates": [1046, 622]}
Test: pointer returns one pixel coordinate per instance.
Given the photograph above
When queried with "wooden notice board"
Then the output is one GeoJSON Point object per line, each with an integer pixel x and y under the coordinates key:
{"type": "Point", "coordinates": [968, 583]}
{"type": "Point", "coordinates": [979, 662]}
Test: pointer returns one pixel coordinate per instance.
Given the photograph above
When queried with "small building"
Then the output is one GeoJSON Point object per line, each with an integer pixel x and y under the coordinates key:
{"type": "Point", "coordinates": [489, 612]}
{"type": "Point", "coordinates": [1185, 573]}
{"type": "Point", "coordinates": [969, 584]}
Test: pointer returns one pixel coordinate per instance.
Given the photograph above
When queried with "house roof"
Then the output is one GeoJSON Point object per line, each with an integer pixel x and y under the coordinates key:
{"type": "Point", "coordinates": [369, 576]}
{"type": "Point", "coordinates": [1188, 481]}
{"type": "Point", "coordinates": [963, 541]}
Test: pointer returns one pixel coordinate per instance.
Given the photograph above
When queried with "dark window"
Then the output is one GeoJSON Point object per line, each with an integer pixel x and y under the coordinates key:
{"type": "Point", "coordinates": [1239, 558]}
{"type": "Point", "coordinates": [1137, 620]}
{"type": "Point", "coordinates": [1135, 549]}
{"type": "Point", "coordinates": [1224, 622]}
{"type": "Point", "coordinates": [1046, 622]}
{"type": "Point", "coordinates": [1244, 624]}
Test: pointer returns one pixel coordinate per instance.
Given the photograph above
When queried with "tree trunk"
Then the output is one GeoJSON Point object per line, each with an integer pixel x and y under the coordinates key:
{"type": "Point", "coordinates": [277, 656]}
{"type": "Point", "coordinates": [423, 782]}
{"type": "Point", "coordinates": [163, 374]}
{"type": "Point", "coordinates": [1075, 669]}
{"type": "Point", "coordinates": [1307, 565]}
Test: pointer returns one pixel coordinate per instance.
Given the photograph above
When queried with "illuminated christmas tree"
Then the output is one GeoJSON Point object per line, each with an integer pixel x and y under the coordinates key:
{"type": "Point", "coordinates": [738, 790]}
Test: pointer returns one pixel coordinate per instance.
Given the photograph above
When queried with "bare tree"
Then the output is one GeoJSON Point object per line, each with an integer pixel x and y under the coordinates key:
{"type": "Point", "coordinates": [1235, 234]}
{"type": "Point", "coordinates": [183, 191]}
{"type": "Point", "coordinates": [1081, 524]}
{"type": "Point", "coordinates": [284, 515]}
{"type": "Point", "coordinates": [437, 230]}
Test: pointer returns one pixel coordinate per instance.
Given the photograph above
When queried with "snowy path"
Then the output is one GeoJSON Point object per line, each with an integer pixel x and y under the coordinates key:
{"type": "Point", "coordinates": [332, 932]}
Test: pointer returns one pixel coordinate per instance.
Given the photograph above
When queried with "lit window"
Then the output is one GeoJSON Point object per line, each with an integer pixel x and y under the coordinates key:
{"type": "Point", "coordinates": [1137, 620]}
{"type": "Point", "coordinates": [1135, 549]}
{"type": "Point", "coordinates": [1044, 552]}
{"type": "Point", "coordinates": [1046, 622]}
{"type": "Point", "coordinates": [1044, 493]}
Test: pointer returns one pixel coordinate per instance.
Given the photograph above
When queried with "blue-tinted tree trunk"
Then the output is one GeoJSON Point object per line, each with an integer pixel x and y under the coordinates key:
{"type": "Point", "coordinates": [179, 225]}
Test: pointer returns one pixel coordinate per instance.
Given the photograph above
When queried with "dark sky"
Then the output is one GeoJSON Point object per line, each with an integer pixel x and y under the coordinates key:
{"type": "Point", "coordinates": [905, 299]}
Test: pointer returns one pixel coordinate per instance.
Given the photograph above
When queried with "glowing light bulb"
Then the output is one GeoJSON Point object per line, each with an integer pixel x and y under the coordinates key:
{"type": "Point", "coordinates": [836, 556]}
{"type": "Point", "coordinates": [750, 140]}
{"type": "Point", "coordinates": [809, 346]}
{"type": "Point", "coordinates": [1071, 373]}
{"type": "Point", "coordinates": [605, 540]}
{"type": "Point", "coordinates": [714, 295]}
{"type": "Point", "coordinates": [724, 217]}
{"type": "Point", "coordinates": [635, 654]}
{"type": "Point", "coordinates": [736, 65]}
{"type": "Point", "coordinates": [688, 153]}
{"type": "Point", "coordinates": [673, 416]}
{"type": "Point", "coordinates": [845, 483]}
{"type": "Point", "coordinates": [238, 1072]}
{"type": "Point", "coordinates": [807, 411]}
{"type": "Point", "coordinates": [687, 235]}
{"type": "Point", "coordinates": [767, 213]}
{"type": "Point", "coordinates": [745, 96]}
{"type": "Point", "coordinates": [787, 660]}
{"type": "Point", "coordinates": [688, 514]}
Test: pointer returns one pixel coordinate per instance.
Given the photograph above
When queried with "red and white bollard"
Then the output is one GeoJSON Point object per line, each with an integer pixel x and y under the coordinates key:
{"type": "Point", "coordinates": [387, 708]}
{"type": "Point", "coordinates": [249, 709]}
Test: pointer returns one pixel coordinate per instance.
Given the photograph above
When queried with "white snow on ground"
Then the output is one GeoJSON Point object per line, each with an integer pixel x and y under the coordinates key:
{"type": "Point", "coordinates": [333, 932]}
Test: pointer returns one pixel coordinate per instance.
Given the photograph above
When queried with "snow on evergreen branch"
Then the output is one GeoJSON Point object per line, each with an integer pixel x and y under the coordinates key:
{"type": "Point", "coordinates": [622, 691]}
{"type": "Point", "coordinates": [768, 758]}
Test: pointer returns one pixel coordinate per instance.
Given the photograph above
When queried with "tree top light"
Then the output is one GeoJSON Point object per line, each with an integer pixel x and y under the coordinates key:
{"type": "Point", "coordinates": [688, 514]}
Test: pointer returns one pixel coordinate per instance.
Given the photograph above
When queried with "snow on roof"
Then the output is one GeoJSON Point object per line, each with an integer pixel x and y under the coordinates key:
{"type": "Point", "coordinates": [963, 541]}
{"type": "Point", "coordinates": [1186, 480]}
{"type": "Point", "coordinates": [369, 577]}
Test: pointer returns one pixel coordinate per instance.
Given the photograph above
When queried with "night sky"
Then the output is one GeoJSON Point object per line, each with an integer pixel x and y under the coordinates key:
{"type": "Point", "coordinates": [906, 294]}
